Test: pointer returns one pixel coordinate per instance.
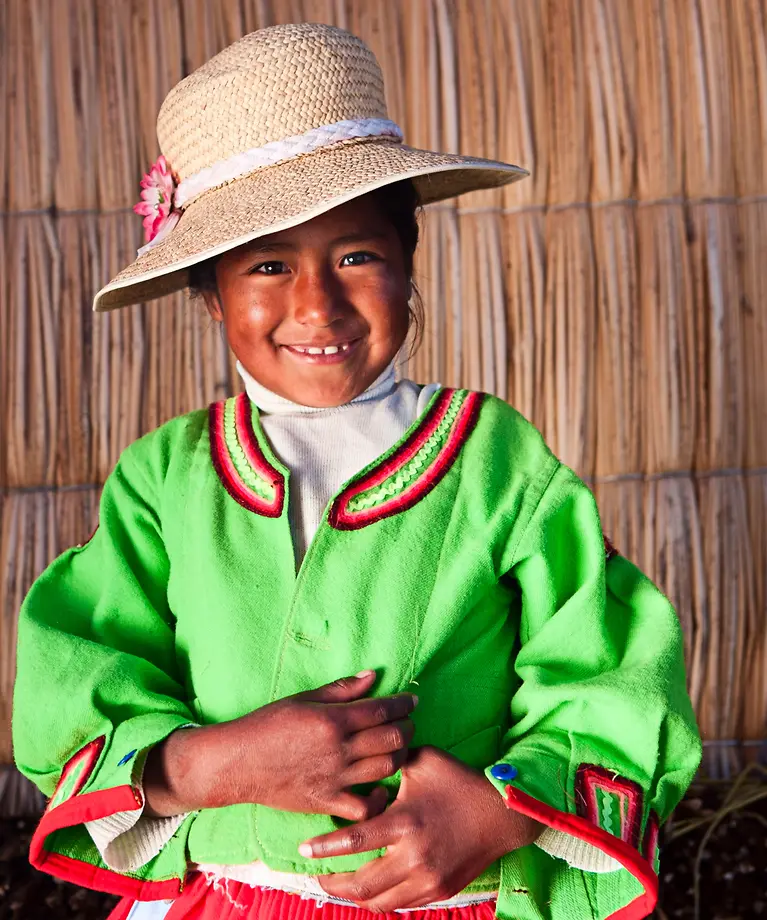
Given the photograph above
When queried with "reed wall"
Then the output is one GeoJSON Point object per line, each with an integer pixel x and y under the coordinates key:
{"type": "Point", "coordinates": [617, 297]}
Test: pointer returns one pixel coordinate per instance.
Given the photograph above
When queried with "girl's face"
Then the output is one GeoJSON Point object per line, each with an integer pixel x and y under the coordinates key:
{"type": "Point", "coordinates": [315, 313]}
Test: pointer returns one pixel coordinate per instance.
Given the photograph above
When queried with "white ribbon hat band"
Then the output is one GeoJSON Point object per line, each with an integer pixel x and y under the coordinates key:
{"type": "Point", "coordinates": [242, 164]}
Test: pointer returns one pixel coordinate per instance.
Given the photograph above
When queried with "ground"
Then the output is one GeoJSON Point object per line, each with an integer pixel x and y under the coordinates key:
{"type": "Point", "coordinates": [714, 864]}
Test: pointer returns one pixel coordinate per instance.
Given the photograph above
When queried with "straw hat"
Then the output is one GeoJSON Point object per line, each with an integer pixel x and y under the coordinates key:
{"type": "Point", "coordinates": [281, 126]}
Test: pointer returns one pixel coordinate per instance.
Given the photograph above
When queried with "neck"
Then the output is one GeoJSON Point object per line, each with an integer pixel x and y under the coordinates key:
{"type": "Point", "coordinates": [274, 404]}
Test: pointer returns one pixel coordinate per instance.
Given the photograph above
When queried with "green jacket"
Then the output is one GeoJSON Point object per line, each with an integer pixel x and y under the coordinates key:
{"type": "Point", "coordinates": [466, 561]}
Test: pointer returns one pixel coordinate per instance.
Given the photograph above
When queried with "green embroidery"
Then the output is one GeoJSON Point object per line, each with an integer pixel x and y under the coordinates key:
{"type": "Point", "coordinates": [244, 470]}
{"type": "Point", "coordinates": [423, 458]}
{"type": "Point", "coordinates": [608, 822]}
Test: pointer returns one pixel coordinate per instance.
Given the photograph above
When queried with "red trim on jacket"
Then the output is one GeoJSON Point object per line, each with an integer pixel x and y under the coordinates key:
{"type": "Point", "coordinates": [85, 760]}
{"type": "Point", "coordinates": [342, 519]}
{"type": "Point", "coordinates": [591, 778]}
{"type": "Point", "coordinates": [651, 843]}
{"type": "Point", "coordinates": [226, 470]}
{"type": "Point", "coordinates": [91, 807]}
{"type": "Point", "coordinates": [631, 860]}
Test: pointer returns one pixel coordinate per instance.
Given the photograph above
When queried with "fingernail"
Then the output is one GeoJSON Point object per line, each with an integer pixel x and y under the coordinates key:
{"type": "Point", "coordinates": [367, 673]}
{"type": "Point", "coordinates": [305, 849]}
{"type": "Point", "coordinates": [415, 700]}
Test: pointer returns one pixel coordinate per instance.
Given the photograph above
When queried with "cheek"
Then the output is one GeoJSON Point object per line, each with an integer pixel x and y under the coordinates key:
{"type": "Point", "coordinates": [387, 308]}
{"type": "Point", "coordinates": [249, 318]}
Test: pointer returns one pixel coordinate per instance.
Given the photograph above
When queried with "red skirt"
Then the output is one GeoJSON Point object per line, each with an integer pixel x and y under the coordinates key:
{"type": "Point", "coordinates": [230, 900]}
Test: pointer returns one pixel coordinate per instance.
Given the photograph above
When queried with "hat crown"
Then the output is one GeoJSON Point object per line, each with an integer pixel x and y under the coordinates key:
{"type": "Point", "coordinates": [276, 83]}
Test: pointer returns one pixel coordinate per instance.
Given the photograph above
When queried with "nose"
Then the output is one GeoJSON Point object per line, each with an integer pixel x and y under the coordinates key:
{"type": "Point", "coordinates": [317, 299]}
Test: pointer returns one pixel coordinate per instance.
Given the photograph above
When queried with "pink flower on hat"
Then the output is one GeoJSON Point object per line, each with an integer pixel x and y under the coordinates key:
{"type": "Point", "coordinates": [156, 205]}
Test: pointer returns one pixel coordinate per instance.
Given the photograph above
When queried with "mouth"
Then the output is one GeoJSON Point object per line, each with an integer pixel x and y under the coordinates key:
{"type": "Point", "coordinates": [334, 353]}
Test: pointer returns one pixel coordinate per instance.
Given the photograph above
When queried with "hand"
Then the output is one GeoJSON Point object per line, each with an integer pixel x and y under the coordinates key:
{"type": "Point", "coordinates": [301, 753]}
{"type": "Point", "coordinates": [447, 825]}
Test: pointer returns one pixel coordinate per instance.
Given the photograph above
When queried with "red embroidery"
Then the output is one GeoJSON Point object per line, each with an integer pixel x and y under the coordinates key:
{"type": "Point", "coordinates": [610, 550]}
{"type": "Point", "coordinates": [76, 772]}
{"type": "Point", "coordinates": [232, 481]}
{"type": "Point", "coordinates": [343, 518]}
{"type": "Point", "coordinates": [651, 844]}
{"type": "Point", "coordinates": [640, 906]}
{"type": "Point", "coordinates": [593, 783]}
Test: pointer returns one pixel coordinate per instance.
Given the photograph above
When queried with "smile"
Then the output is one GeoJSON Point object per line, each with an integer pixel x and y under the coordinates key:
{"type": "Point", "coordinates": [327, 354]}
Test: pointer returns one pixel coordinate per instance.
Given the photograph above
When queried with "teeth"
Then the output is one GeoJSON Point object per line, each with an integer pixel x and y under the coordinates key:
{"type": "Point", "coordinates": [330, 350]}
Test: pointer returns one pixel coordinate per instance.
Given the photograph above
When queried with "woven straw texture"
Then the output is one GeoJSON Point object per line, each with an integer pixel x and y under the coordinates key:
{"type": "Point", "coordinates": [274, 83]}
{"type": "Point", "coordinates": [618, 297]}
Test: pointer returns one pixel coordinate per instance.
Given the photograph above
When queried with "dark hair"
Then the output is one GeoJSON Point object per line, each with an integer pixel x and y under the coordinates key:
{"type": "Point", "coordinates": [400, 204]}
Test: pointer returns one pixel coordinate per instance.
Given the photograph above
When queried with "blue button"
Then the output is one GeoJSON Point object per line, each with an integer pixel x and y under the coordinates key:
{"type": "Point", "coordinates": [127, 757]}
{"type": "Point", "coordinates": [504, 771]}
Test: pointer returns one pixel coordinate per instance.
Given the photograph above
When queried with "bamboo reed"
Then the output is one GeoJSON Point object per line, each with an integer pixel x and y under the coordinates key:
{"type": "Point", "coordinates": [569, 333]}
{"type": "Point", "coordinates": [5, 84]}
{"type": "Point", "coordinates": [29, 126]}
{"type": "Point", "coordinates": [525, 303]}
{"type": "Point", "coordinates": [117, 164]}
{"type": "Point", "coordinates": [75, 104]}
{"type": "Point", "coordinates": [523, 99]}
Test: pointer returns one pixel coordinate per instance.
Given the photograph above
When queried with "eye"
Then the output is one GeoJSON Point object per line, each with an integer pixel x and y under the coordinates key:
{"type": "Point", "coordinates": [269, 268]}
{"type": "Point", "coordinates": [357, 258]}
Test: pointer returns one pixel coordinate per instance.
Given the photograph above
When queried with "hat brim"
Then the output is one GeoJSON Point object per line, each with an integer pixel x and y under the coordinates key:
{"type": "Point", "coordinates": [290, 193]}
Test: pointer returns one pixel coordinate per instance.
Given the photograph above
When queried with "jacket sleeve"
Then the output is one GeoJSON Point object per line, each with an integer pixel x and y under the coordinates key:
{"type": "Point", "coordinates": [98, 685]}
{"type": "Point", "coordinates": [603, 741]}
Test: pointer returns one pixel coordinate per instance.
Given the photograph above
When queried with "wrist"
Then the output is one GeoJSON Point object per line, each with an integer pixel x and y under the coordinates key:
{"type": "Point", "coordinates": [180, 775]}
{"type": "Point", "coordinates": [509, 829]}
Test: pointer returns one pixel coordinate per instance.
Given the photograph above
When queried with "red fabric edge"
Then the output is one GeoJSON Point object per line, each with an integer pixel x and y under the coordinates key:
{"type": "Point", "coordinates": [254, 453]}
{"type": "Point", "coordinates": [631, 860]}
{"type": "Point", "coordinates": [229, 476]}
{"type": "Point", "coordinates": [589, 778]}
{"type": "Point", "coordinates": [90, 807]}
{"type": "Point", "coordinates": [341, 519]}
{"type": "Point", "coordinates": [88, 755]}
{"type": "Point", "coordinates": [383, 470]}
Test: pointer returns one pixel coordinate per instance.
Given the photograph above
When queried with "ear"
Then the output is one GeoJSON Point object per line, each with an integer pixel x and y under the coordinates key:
{"type": "Point", "coordinates": [213, 305]}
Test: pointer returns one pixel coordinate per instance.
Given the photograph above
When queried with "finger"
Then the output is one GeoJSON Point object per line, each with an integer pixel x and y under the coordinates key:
{"type": "Point", "coordinates": [377, 833]}
{"type": "Point", "coordinates": [359, 807]}
{"type": "Point", "coordinates": [384, 739]}
{"type": "Point", "coordinates": [343, 690]}
{"type": "Point", "coordinates": [369, 883]}
{"type": "Point", "coordinates": [374, 769]}
{"type": "Point", "coordinates": [364, 714]}
{"type": "Point", "coordinates": [409, 893]}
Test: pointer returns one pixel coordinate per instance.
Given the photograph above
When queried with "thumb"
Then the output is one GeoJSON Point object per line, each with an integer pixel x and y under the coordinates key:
{"type": "Point", "coordinates": [343, 690]}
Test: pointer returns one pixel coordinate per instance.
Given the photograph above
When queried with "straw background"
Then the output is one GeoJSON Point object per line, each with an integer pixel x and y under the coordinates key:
{"type": "Point", "coordinates": [618, 297]}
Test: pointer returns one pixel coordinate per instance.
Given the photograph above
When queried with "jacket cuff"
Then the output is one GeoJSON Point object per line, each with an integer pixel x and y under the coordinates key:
{"type": "Point", "coordinates": [130, 839]}
{"type": "Point", "coordinates": [127, 840]}
{"type": "Point", "coordinates": [97, 783]}
{"type": "Point", "coordinates": [607, 816]}
{"type": "Point", "coordinates": [576, 852]}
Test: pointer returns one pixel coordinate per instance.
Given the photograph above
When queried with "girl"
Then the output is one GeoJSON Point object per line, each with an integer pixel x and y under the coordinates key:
{"type": "Point", "coordinates": [339, 640]}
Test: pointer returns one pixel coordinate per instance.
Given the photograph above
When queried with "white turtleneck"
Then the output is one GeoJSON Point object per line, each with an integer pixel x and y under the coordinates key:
{"type": "Point", "coordinates": [323, 448]}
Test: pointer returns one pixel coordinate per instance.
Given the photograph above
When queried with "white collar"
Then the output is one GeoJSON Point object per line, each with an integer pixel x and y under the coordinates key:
{"type": "Point", "coordinates": [273, 404]}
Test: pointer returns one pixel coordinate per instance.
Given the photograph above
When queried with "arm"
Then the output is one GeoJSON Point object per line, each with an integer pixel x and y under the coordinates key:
{"type": "Point", "coordinates": [98, 684]}
{"type": "Point", "coordinates": [99, 700]}
{"type": "Point", "coordinates": [603, 740]}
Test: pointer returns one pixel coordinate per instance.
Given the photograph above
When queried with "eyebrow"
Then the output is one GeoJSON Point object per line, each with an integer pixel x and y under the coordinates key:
{"type": "Point", "coordinates": [275, 246]}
